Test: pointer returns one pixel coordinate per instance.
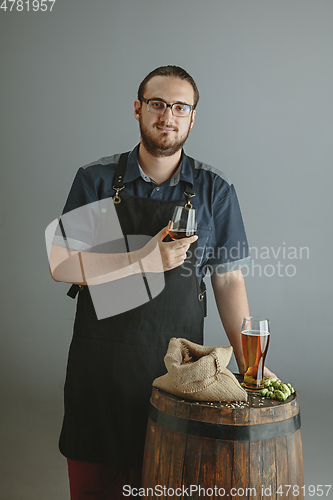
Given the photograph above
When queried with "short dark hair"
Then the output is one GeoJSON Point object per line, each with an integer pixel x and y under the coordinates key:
{"type": "Point", "coordinates": [174, 71]}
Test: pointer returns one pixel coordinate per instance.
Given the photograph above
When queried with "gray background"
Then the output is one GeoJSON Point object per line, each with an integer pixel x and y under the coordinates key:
{"type": "Point", "coordinates": [68, 82]}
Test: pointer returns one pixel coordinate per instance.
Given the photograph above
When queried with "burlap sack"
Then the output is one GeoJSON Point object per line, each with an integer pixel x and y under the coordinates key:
{"type": "Point", "coordinates": [199, 373]}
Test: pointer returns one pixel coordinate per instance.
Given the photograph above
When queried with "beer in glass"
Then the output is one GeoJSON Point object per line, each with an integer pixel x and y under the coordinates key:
{"type": "Point", "coordinates": [255, 340]}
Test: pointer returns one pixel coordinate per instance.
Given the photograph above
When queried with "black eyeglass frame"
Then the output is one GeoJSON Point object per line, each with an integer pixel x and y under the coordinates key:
{"type": "Point", "coordinates": [147, 101]}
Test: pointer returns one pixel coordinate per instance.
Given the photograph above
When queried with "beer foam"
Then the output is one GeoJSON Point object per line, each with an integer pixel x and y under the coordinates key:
{"type": "Point", "coordinates": [255, 332]}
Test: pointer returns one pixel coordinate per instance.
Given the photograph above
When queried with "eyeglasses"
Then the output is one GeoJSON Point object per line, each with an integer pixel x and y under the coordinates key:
{"type": "Point", "coordinates": [158, 107]}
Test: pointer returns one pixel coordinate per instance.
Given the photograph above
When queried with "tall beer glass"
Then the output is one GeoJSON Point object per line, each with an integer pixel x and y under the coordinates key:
{"type": "Point", "coordinates": [255, 340]}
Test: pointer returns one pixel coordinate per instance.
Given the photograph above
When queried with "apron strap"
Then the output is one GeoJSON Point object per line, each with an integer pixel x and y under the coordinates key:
{"type": "Point", "coordinates": [118, 182]}
{"type": "Point", "coordinates": [189, 186]}
{"type": "Point", "coordinates": [203, 295]}
{"type": "Point", "coordinates": [73, 291]}
{"type": "Point", "coordinates": [189, 190]}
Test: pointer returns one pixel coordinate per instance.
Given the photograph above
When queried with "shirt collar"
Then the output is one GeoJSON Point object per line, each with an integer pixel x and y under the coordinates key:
{"type": "Point", "coordinates": [134, 171]}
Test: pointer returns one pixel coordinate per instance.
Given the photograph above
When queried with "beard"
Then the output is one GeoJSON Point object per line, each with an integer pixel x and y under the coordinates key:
{"type": "Point", "coordinates": [158, 146]}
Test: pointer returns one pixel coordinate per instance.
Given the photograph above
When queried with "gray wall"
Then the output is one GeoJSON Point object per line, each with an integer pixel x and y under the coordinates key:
{"type": "Point", "coordinates": [68, 81]}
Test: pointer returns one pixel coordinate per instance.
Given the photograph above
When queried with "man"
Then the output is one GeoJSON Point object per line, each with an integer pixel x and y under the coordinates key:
{"type": "Point", "coordinates": [113, 361]}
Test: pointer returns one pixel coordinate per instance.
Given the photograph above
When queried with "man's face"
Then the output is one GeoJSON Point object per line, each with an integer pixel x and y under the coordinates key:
{"type": "Point", "coordinates": [164, 135]}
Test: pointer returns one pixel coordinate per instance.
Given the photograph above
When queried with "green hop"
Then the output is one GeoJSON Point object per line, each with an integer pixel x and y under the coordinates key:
{"type": "Point", "coordinates": [281, 396]}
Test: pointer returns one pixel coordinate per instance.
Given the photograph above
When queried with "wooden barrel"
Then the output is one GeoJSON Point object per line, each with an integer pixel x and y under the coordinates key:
{"type": "Point", "coordinates": [213, 450]}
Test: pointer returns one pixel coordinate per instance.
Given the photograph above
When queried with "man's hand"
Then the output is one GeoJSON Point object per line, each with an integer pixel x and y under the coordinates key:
{"type": "Point", "coordinates": [167, 254]}
{"type": "Point", "coordinates": [268, 373]}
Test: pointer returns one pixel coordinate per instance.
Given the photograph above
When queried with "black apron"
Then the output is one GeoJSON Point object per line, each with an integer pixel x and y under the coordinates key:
{"type": "Point", "coordinates": [113, 362]}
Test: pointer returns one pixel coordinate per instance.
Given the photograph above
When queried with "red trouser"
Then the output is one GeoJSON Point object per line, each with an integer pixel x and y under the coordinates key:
{"type": "Point", "coordinates": [90, 481]}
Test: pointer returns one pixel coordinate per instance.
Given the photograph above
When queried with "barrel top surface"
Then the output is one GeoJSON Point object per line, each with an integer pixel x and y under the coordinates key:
{"type": "Point", "coordinates": [256, 410]}
{"type": "Point", "coordinates": [254, 401]}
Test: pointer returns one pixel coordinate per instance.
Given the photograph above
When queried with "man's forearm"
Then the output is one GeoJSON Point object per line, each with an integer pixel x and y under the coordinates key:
{"type": "Point", "coordinates": [84, 268]}
{"type": "Point", "coordinates": [231, 300]}
{"type": "Point", "coordinates": [88, 268]}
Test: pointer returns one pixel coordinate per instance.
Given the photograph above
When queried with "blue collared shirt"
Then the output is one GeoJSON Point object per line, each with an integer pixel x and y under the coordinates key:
{"type": "Point", "coordinates": [222, 242]}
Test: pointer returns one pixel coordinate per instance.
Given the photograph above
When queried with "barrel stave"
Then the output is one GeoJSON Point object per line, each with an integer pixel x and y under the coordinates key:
{"type": "Point", "coordinates": [255, 456]}
{"type": "Point", "coordinates": [210, 459]}
{"type": "Point", "coordinates": [295, 464]}
{"type": "Point", "coordinates": [179, 448]}
{"type": "Point", "coordinates": [240, 466]}
{"type": "Point", "coordinates": [269, 468]}
{"type": "Point", "coordinates": [156, 439]}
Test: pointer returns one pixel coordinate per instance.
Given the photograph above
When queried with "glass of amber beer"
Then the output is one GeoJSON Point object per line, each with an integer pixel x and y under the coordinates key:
{"type": "Point", "coordinates": [184, 223]}
{"type": "Point", "coordinates": [255, 340]}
